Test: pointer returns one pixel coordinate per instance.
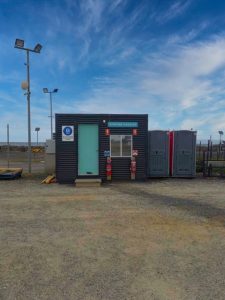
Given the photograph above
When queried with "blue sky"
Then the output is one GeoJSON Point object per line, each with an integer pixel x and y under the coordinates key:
{"type": "Point", "coordinates": [164, 58]}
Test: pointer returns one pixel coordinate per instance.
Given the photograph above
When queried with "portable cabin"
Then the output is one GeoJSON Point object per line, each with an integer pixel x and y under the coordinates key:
{"type": "Point", "coordinates": [84, 142]}
{"type": "Point", "coordinates": [158, 153]}
{"type": "Point", "coordinates": [183, 158]}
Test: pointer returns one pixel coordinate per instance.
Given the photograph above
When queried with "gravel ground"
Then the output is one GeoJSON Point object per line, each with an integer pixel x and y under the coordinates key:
{"type": "Point", "coordinates": [162, 239]}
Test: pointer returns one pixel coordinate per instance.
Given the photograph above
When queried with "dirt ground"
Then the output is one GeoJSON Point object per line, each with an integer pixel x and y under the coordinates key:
{"type": "Point", "coordinates": [162, 239]}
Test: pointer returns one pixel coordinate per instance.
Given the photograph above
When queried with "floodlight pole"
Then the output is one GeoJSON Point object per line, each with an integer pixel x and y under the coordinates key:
{"type": "Point", "coordinates": [51, 114]}
{"type": "Point", "coordinates": [37, 130]}
{"type": "Point", "coordinates": [37, 137]}
{"type": "Point", "coordinates": [46, 91]}
{"type": "Point", "coordinates": [28, 111]}
{"type": "Point", "coordinates": [19, 44]}
{"type": "Point", "coordinates": [8, 149]}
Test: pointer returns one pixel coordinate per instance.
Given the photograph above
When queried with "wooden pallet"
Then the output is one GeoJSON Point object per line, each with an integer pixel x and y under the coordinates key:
{"type": "Point", "coordinates": [10, 173]}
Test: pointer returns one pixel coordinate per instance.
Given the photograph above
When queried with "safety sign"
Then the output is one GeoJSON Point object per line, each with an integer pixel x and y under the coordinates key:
{"type": "Point", "coordinates": [68, 133]}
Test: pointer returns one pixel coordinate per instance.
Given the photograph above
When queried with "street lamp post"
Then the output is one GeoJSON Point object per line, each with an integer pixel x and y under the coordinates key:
{"type": "Point", "coordinates": [37, 129]}
{"type": "Point", "coordinates": [19, 44]}
{"type": "Point", "coordinates": [46, 91]}
{"type": "Point", "coordinates": [8, 148]}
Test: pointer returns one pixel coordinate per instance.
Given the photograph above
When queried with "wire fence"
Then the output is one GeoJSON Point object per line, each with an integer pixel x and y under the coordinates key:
{"type": "Point", "coordinates": [214, 151]}
{"type": "Point", "coordinates": [210, 155]}
{"type": "Point", "coordinates": [13, 156]}
{"type": "Point", "coordinates": [210, 158]}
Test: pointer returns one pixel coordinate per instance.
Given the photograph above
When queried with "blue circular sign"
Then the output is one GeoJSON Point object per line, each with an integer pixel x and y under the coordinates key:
{"type": "Point", "coordinates": [67, 131]}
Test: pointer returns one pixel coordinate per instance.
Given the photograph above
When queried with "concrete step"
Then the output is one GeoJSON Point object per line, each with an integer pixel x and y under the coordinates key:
{"type": "Point", "coordinates": [88, 182]}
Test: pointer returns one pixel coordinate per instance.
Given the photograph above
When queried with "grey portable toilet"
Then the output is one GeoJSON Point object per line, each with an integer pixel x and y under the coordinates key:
{"type": "Point", "coordinates": [158, 153]}
{"type": "Point", "coordinates": [184, 153]}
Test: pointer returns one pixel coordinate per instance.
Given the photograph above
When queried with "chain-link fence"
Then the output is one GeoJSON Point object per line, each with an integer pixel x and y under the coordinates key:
{"type": "Point", "coordinates": [14, 156]}
{"type": "Point", "coordinates": [210, 158]}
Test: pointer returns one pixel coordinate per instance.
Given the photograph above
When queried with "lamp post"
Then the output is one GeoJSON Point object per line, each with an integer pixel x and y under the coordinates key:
{"type": "Point", "coordinates": [8, 148]}
{"type": "Point", "coordinates": [19, 44]}
{"type": "Point", "coordinates": [46, 91]}
{"type": "Point", "coordinates": [37, 129]}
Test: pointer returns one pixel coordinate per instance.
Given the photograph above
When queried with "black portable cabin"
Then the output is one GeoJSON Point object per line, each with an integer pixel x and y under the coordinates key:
{"type": "Point", "coordinates": [158, 153]}
{"type": "Point", "coordinates": [84, 141]}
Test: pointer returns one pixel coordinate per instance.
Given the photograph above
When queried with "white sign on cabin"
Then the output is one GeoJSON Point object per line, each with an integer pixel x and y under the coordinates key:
{"type": "Point", "coordinates": [68, 133]}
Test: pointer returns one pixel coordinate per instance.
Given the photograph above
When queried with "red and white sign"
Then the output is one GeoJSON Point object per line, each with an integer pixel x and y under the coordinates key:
{"type": "Point", "coordinates": [107, 131]}
{"type": "Point", "coordinates": [135, 153]}
{"type": "Point", "coordinates": [135, 132]}
{"type": "Point", "coordinates": [133, 168]}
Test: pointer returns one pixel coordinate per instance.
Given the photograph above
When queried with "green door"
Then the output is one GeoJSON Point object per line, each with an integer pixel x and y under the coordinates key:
{"type": "Point", "coordinates": [88, 149]}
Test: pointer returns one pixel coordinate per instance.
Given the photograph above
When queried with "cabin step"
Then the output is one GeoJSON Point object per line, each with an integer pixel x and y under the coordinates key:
{"type": "Point", "coordinates": [88, 182]}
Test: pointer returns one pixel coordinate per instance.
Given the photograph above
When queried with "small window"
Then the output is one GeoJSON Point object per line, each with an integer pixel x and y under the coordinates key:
{"type": "Point", "coordinates": [126, 145]}
{"type": "Point", "coordinates": [121, 145]}
{"type": "Point", "coordinates": [115, 145]}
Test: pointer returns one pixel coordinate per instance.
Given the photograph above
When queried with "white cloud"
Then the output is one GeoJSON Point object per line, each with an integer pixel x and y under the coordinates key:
{"type": "Point", "coordinates": [180, 83]}
{"type": "Point", "coordinates": [185, 74]}
{"type": "Point", "coordinates": [91, 13]}
{"type": "Point", "coordinates": [194, 124]}
{"type": "Point", "coordinates": [175, 9]}
{"type": "Point", "coordinates": [87, 34]}
{"type": "Point", "coordinates": [184, 36]}
{"type": "Point", "coordinates": [181, 88]}
{"type": "Point", "coordinates": [115, 4]}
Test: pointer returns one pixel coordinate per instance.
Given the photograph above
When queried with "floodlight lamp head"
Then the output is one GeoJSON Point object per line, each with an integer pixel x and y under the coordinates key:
{"type": "Point", "coordinates": [55, 90]}
{"type": "Point", "coordinates": [45, 90]}
{"type": "Point", "coordinates": [38, 48]}
{"type": "Point", "coordinates": [220, 132]}
{"type": "Point", "coordinates": [19, 43]}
